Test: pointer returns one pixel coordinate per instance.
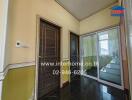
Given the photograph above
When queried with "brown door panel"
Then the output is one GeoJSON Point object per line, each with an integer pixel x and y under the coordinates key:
{"type": "Point", "coordinates": [49, 52]}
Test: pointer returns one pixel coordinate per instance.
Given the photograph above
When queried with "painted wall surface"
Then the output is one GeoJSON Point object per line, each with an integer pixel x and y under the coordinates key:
{"type": "Point", "coordinates": [3, 32]}
{"type": "Point", "coordinates": [65, 70]}
{"type": "Point", "coordinates": [19, 84]}
{"type": "Point", "coordinates": [8, 38]}
{"type": "Point", "coordinates": [1, 11]}
{"type": "Point", "coordinates": [1, 85]}
{"type": "Point", "coordinates": [23, 26]}
{"type": "Point", "coordinates": [101, 19]}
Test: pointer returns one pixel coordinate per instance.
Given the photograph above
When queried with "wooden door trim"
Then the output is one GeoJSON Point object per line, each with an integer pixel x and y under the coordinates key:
{"type": "Point", "coordinates": [38, 20]}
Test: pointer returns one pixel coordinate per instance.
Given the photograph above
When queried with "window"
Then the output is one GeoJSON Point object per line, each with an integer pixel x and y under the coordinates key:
{"type": "Point", "coordinates": [103, 42]}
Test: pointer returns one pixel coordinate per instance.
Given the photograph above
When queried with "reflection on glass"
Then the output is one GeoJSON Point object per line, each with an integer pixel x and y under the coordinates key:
{"type": "Point", "coordinates": [89, 55]}
{"type": "Point", "coordinates": [109, 56]}
{"type": "Point", "coordinates": [105, 93]}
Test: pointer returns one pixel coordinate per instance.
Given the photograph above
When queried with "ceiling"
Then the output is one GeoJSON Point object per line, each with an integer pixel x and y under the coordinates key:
{"type": "Point", "coordinates": [81, 9]}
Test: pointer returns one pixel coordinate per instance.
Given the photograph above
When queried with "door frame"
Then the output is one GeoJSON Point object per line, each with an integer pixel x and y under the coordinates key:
{"type": "Point", "coordinates": [98, 78]}
{"type": "Point", "coordinates": [38, 19]}
{"type": "Point", "coordinates": [127, 17]}
{"type": "Point", "coordinates": [70, 32]}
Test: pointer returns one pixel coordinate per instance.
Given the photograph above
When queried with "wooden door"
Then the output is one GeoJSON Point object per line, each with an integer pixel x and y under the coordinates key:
{"type": "Point", "coordinates": [49, 55]}
{"type": "Point", "coordinates": [74, 55]}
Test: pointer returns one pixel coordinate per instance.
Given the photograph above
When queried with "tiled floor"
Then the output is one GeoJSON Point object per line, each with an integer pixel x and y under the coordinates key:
{"type": "Point", "coordinates": [87, 89]}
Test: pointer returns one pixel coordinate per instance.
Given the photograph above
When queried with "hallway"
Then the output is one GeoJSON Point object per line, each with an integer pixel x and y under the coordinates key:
{"type": "Point", "coordinates": [88, 89]}
{"type": "Point", "coordinates": [44, 44]}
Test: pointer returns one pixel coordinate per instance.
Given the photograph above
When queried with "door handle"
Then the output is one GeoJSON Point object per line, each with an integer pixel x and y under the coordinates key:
{"type": "Point", "coordinates": [40, 57]}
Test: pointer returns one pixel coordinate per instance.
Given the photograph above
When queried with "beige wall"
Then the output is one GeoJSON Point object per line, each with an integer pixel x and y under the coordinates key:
{"type": "Point", "coordinates": [98, 21]}
{"type": "Point", "coordinates": [1, 12]}
{"type": "Point", "coordinates": [3, 32]}
{"type": "Point", "coordinates": [23, 26]}
{"type": "Point", "coordinates": [1, 8]}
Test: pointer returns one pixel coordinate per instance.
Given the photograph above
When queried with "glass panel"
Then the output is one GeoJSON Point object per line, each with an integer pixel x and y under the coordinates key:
{"type": "Point", "coordinates": [109, 56]}
{"type": "Point", "coordinates": [103, 36]}
{"type": "Point", "coordinates": [89, 55]}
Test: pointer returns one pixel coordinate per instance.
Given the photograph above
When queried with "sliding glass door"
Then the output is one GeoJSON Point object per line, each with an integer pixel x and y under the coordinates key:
{"type": "Point", "coordinates": [89, 55]}
{"type": "Point", "coordinates": [100, 55]}
{"type": "Point", "coordinates": [109, 56]}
